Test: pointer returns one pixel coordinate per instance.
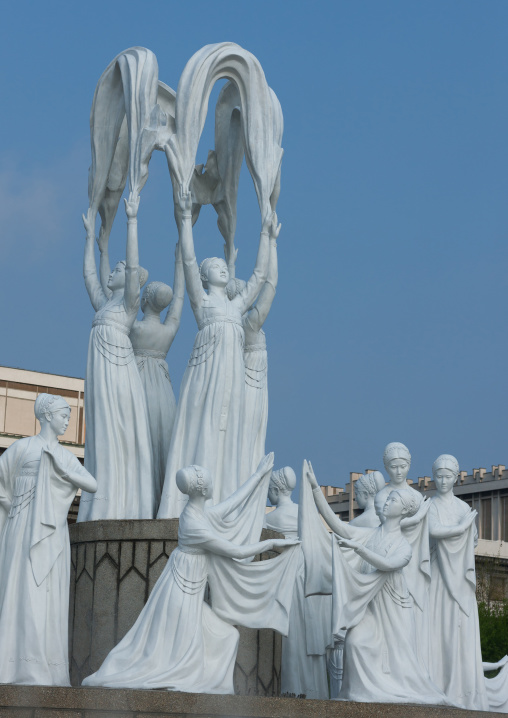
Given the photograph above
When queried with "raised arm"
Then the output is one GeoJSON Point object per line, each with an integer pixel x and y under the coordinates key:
{"type": "Point", "coordinates": [175, 308]}
{"type": "Point", "coordinates": [245, 490]}
{"type": "Point", "coordinates": [183, 216]}
{"type": "Point", "coordinates": [131, 293]}
{"type": "Point", "coordinates": [338, 527]}
{"type": "Point", "coordinates": [104, 266]}
{"type": "Point", "coordinates": [92, 284]}
{"type": "Point", "coordinates": [258, 314]}
{"type": "Point", "coordinates": [251, 290]}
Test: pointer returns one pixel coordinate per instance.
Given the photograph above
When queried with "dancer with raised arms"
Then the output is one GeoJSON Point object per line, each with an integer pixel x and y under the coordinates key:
{"type": "Point", "coordinates": [209, 420]}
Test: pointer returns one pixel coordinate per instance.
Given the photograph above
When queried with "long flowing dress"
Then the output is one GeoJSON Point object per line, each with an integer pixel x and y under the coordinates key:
{"type": "Point", "coordinates": [118, 446]}
{"type": "Point", "coordinates": [161, 405]}
{"type": "Point", "coordinates": [210, 416]}
{"type": "Point", "coordinates": [35, 561]}
{"type": "Point", "coordinates": [179, 642]}
{"type": "Point", "coordinates": [302, 671]}
{"type": "Point", "coordinates": [256, 397]}
{"type": "Point", "coordinates": [456, 665]}
{"type": "Point", "coordinates": [374, 619]}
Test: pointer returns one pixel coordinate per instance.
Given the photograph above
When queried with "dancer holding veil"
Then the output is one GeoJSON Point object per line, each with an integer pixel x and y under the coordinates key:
{"type": "Point", "coordinates": [209, 421]}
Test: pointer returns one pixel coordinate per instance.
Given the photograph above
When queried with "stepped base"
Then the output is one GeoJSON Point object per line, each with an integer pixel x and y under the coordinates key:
{"type": "Point", "coordinates": [53, 702]}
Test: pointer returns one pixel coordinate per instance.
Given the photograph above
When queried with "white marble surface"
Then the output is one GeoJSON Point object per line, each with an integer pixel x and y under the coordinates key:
{"type": "Point", "coordinates": [455, 650]}
{"type": "Point", "coordinates": [38, 482]}
{"type": "Point", "coordinates": [181, 643]}
{"type": "Point", "coordinates": [118, 449]}
{"type": "Point", "coordinates": [303, 672]}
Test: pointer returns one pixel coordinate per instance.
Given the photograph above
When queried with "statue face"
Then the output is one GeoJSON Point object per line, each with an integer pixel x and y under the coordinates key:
{"type": "Point", "coordinates": [398, 470]}
{"type": "Point", "coordinates": [60, 421]}
{"type": "Point", "coordinates": [273, 495]}
{"type": "Point", "coordinates": [362, 498]}
{"type": "Point", "coordinates": [117, 277]}
{"type": "Point", "coordinates": [217, 274]}
{"type": "Point", "coordinates": [393, 505]}
{"type": "Point", "coordinates": [379, 506]}
{"type": "Point", "coordinates": [444, 480]}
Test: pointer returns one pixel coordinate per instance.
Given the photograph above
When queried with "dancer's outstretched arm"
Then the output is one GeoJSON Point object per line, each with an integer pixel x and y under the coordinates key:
{"type": "Point", "coordinates": [258, 314]}
{"type": "Point", "coordinates": [175, 308]}
{"type": "Point", "coordinates": [131, 293]}
{"type": "Point", "coordinates": [97, 296]}
{"type": "Point", "coordinates": [341, 528]}
{"type": "Point", "coordinates": [183, 216]}
{"type": "Point", "coordinates": [104, 266]}
{"type": "Point", "coordinates": [251, 290]}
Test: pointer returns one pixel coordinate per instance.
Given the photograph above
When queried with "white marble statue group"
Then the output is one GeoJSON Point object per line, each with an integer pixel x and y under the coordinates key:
{"type": "Point", "coordinates": [382, 608]}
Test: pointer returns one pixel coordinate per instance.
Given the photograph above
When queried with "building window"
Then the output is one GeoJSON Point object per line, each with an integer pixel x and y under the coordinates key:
{"type": "Point", "coordinates": [486, 519]}
{"type": "Point", "coordinates": [504, 518]}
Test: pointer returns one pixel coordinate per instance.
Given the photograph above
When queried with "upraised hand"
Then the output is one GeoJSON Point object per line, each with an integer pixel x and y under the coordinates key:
{"type": "Point", "coordinates": [274, 227]}
{"type": "Point", "coordinates": [266, 464]}
{"type": "Point", "coordinates": [102, 240]}
{"type": "Point", "coordinates": [184, 200]}
{"type": "Point", "coordinates": [88, 223]}
{"type": "Point", "coordinates": [311, 477]}
{"type": "Point", "coordinates": [132, 205]}
{"type": "Point", "coordinates": [468, 520]}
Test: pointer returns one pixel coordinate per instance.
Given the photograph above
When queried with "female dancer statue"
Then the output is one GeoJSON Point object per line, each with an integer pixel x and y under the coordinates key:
{"type": "Point", "coordinates": [366, 489]}
{"type": "Point", "coordinates": [209, 419]}
{"type": "Point", "coordinates": [303, 668]}
{"type": "Point", "coordinates": [151, 340]}
{"type": "Point", "coordinates": [373, 613]}
{"type": "Point", "coordinates": [256, 361]}
{"type": "Point", "coordinates": [38, 482]}
{"type": "Point", "coordinates": [118, 447]}
{"type": "Point", "coordinates": [179, 642]}
{"type": "Point", "coordinates": [456, 665]}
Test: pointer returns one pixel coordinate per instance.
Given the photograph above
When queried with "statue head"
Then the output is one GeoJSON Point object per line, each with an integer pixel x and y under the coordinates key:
{"type": "Point", "coordinates": [445, 472]}
{"type": "Point", "coordinates": [157, 296]}
{"type": "Point", "coordinates": [403, 503]}
{"type": "Point", "coordinates": [282, 483]}
{"type": "Point", "coordinates": [397, 461]}
{"type": "Point", "coordinates": [116, 279]}
{"type": "Point", "coordinates": [53, 410]}
{"type": "Point", "coordinates": [367, 487]}
{"type": "Point", "coordinates": [214, 272]}
{"type": "Point", "coordinates": [194, 481]}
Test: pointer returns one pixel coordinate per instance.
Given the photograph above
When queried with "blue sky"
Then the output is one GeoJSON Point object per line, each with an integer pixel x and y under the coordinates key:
{"type": "Point", "coordinates": [390, 317]}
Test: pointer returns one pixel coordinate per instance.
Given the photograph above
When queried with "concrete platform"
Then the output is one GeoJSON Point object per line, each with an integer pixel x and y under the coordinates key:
{"type": "Point", "coordinates": [51, 702]}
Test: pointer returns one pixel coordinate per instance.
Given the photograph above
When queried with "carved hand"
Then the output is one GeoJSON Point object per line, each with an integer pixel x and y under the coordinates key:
{"type": "Point", "coordinates": [282, 543]}
{"type": "Point", "coordinates": [132, 205]}
{"type": "Point", "coordinates": [311, 477]}
{"type": "Point", "coordinates": [88, 223]}
{"type": "Point", "coordinates": [349, 543]}
{"type": "Point", "coordinates": [274, 227]}
{"type": "Point", "coordinates": [266, 464]}
{"type": "Point", "coordinates": [102, 240]}
{"type": "Point", "coordinates": [184, 200]}
{"type": "Point", "coordinates": [468, 520]}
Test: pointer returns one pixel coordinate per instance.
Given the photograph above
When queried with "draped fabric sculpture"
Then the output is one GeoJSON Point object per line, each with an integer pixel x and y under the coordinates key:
{"type": "Point", "coordinates": [151, 341]}
{"type": "Point", "coordinates": [456, 665]}
{"type": "Point", "coordinates": [118, 447]}
{"type": "Point", "coordinates": [38, 481]}
{"type": "Point", "coordinates": [372, 615]}
{"type": "Point", "coordinates": [134, 113]}
{"type": "Point", "coordinates": [181, 643]}
{"type": "Point", "coordinates": [302, 672]}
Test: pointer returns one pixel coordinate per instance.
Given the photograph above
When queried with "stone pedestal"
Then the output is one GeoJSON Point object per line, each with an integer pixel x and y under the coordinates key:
{"type": "Point", "coordinates": [114, 566]}
{"type": "Point", "coordinates": [52, 702]}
